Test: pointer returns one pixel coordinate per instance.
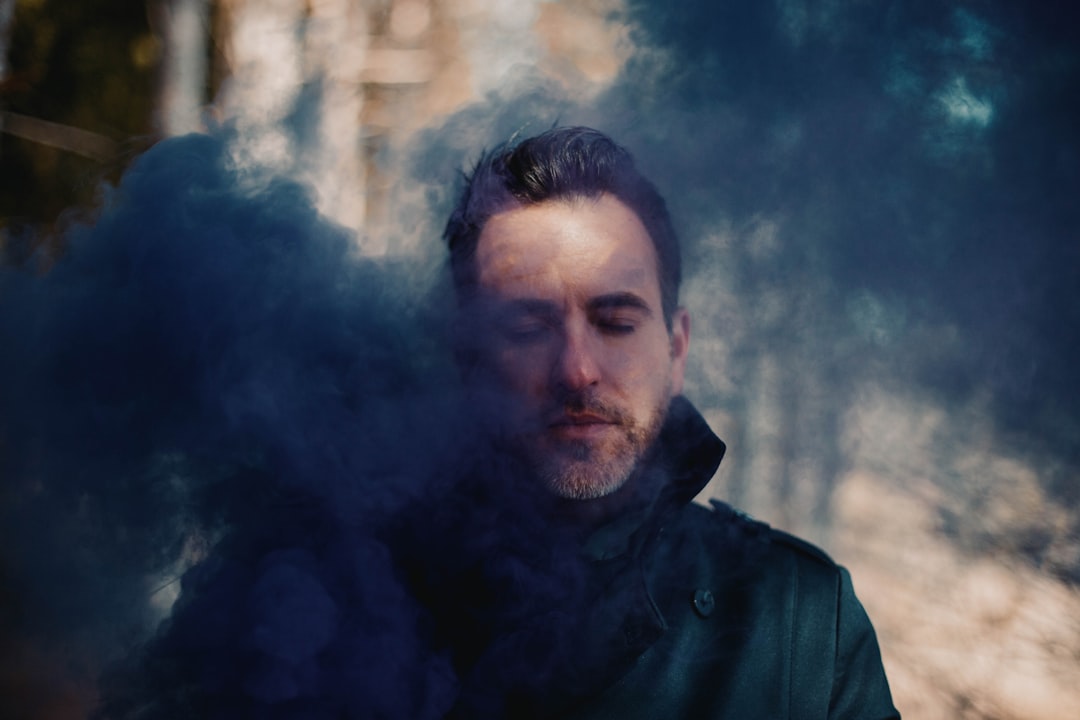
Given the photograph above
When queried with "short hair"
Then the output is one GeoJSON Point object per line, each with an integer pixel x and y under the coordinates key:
{"type": "Point", "coordinates": [563, 163]}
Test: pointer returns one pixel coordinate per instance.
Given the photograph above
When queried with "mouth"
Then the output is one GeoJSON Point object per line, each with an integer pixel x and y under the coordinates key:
{"type": "Point", "coordinates": [579, 418]}
{"type": "Point", "coordinates": [579, 426]}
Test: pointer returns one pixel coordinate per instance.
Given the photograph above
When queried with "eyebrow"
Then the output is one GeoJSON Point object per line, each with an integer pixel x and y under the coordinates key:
{"type": "Point", "coordinates": [530, 306]}
{"type": "Point", "coordinates": [609, 301]}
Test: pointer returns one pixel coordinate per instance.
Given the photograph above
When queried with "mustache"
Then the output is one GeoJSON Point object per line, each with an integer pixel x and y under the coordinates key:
{"type": "Point", "coordinates": [587, 402]}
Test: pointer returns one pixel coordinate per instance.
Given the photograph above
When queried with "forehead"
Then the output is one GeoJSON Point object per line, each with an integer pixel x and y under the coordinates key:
{"type": "Point", "coordinates": [581, 244]}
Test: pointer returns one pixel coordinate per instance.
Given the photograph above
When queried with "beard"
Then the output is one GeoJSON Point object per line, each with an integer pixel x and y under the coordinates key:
{"type": "Point", "coordinates": [591, 469]}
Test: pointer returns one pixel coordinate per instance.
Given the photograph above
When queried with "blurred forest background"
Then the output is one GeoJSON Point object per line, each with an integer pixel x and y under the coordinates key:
{"type": "Point", "coordinates": [879, 205]}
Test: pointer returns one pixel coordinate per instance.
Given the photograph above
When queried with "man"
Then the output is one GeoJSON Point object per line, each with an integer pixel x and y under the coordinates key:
{"type": "Point", "coordinates": [574, 348]}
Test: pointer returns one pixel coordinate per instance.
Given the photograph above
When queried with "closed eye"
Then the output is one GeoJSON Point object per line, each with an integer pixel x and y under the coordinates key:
{"type": "Point", "coordinates": [524, 332]}
{"type": "Point", "coordinates": [525, 321]}
{"type": "Point", "coordinates": [617, 326]}
{"type": "Point", "coordinates": [618, 314]}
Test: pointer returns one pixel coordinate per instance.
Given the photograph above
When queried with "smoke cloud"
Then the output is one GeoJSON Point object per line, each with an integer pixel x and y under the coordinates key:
{"type": "Point", "coordinates": [877, 204]}
{"type": "Point", "coordinates": [211, 355]}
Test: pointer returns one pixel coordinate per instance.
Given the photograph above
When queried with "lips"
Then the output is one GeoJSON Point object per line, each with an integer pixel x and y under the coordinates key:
{"type": "Point", "coordinates": [580, 419]}
{"type": "Point", "coordinates": [579, 426]}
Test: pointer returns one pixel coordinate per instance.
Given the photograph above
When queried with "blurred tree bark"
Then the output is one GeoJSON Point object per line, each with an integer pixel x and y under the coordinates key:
{"type": "Point", "coordinates": [184, 29]}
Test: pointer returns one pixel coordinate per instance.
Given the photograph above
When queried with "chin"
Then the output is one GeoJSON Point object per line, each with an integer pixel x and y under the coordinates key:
{"type": "Point", "coordinates": [586, 480]}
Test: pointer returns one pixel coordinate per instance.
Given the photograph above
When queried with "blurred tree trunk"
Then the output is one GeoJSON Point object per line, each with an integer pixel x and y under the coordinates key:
{"type": "Point", "coordinates": [183, 26]}
{"type": "Point", "coordinates": [7, 12]}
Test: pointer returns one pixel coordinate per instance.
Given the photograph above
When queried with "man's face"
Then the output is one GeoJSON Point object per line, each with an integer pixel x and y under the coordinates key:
{"type": "Point", "coordinates": [573, 341]}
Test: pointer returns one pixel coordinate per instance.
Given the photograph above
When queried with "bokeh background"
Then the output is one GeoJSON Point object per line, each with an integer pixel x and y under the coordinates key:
{"type": "Point", "coordinates": [880, 206]}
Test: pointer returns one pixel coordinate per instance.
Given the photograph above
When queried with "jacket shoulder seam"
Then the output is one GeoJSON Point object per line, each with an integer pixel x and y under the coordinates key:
{"type": "Point", "coordinates": [802, 547]}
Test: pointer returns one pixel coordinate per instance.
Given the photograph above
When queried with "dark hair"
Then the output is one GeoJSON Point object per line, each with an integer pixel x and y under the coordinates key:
{"type": "Point", "coordinates": [562, 163]}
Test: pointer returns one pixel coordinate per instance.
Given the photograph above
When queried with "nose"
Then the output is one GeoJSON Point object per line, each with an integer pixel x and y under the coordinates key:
{"type": "Point", "coordinates": [577, 366]}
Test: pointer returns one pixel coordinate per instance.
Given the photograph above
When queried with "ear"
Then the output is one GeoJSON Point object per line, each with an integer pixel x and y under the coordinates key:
{"type": "Point", "coordinates": [680, 346]}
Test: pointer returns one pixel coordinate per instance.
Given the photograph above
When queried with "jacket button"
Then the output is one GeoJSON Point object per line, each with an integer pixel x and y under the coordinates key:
{"type": "Point", "coordinates": [704, 603]}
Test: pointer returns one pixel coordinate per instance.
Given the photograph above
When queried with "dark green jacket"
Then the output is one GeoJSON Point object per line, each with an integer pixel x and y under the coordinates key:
{"type": "Point", "coordinates": [728, 618]}
{"type": "Point", "coordinates": [787, 641]}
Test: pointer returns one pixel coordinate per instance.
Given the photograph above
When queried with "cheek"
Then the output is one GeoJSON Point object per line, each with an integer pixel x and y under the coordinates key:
{"type": "Point", "coordinates": [522, 371]}
{"type": "Point", "coordinates": [645, 364]}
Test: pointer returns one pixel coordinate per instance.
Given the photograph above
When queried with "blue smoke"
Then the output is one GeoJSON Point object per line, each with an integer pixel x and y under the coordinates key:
{"type": "Point", "coordinates": [211, 365]}
{"type": "Point", "coordinates": [924, 151]}
{"type": "Point", "coordinates": [920, 162]}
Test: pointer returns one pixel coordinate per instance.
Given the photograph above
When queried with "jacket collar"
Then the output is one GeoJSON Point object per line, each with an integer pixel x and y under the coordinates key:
{"type": "Point", "coordinates": [684, 459]}
{"type": "Point", "coordinates": [689, 453]}
{"type": "Point", "coordinates": [585, 636]}
{"type": "Point", "coordinates": [619, 617]}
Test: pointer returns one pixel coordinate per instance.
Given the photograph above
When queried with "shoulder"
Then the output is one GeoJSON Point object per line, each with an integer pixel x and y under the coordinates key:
{"type": "Point", "coordinates": [777, 558]}
{"type": "Point", "coordinates": [801, 549]}
{"type": "Point", "coordinates": [719, 517]}
{"type": "Point", "coordinates": [792, 589]}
